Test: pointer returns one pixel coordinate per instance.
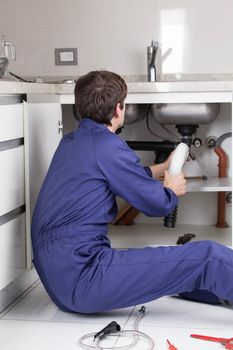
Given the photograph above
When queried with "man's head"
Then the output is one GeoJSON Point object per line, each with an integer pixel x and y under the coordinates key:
{"type": "Point", "coordinates": [99, 95]}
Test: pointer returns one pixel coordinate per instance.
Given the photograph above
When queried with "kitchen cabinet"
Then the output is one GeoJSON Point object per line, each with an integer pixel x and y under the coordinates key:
{"type": "Point", "coordinates": [197, 210]}
{"type": "Point", "coordinates": [12, 249]}
{"type": "Point", "coordinates": [12, 190]}
{"type": "Point", "coordinates": [30, 133]}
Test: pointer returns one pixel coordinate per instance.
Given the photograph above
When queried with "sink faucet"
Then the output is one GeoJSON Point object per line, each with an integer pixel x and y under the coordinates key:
{"type": "Point", "coordinates": [151, 55]}
{"type": "Point", "coordinates": [4, 56]}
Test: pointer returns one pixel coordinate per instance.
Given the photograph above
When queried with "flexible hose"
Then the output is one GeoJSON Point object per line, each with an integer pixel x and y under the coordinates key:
{"type": "Point", "coordinates": [223, 137]}
{"type": "Point", "coordinates": [135, 333]}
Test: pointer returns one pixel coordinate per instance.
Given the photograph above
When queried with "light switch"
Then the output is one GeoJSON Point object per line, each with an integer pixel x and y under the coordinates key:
{"type": "Point", "coordinates": [66, 56]}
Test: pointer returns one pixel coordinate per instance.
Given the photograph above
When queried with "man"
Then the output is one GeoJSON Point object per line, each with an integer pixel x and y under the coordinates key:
{"type": "Point", "coordinates": [72, 254]}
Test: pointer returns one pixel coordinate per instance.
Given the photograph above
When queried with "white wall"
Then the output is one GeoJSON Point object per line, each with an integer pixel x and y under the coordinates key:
{"type": "Point", "coordinates": [113, 34]}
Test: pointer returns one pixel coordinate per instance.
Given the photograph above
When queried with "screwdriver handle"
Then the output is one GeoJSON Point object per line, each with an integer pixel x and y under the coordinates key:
{"type": "Point", "coordinates": [171, 346]}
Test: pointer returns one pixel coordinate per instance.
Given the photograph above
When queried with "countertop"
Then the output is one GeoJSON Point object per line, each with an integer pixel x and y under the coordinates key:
{"type": "Point", "coordinates": [10, 87]}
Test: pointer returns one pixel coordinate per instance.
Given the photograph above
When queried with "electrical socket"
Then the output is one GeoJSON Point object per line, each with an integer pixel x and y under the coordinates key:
{"type": "Point", "coordinates": [66, 56]}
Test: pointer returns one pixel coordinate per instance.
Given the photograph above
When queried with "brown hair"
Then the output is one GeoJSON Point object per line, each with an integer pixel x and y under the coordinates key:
{"type": "Point", "coordinates": [97, 95]}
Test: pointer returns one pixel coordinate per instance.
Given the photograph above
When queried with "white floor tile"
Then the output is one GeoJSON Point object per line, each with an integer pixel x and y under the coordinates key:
{"type": "Point", "coordinates": [24, 335]}
{"type": "Point", "coordinates": [179, 337]}
{"type": "Point", "coordinates": [36, 323]}
{"type": "Point", "coordinates": [37, 306]}
{"type": "Point", "coordinates": [175, 312]}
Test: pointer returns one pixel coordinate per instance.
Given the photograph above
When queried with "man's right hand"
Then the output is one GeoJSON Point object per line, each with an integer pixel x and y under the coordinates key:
{"type": "Point", "coordinates": [176, 183]}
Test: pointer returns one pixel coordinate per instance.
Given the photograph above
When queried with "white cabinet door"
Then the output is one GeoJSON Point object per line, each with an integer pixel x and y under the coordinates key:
{"type": "Point", "coordinates": [12, 250]}
{"type": "Point", "coordinates": [42, 136]}
{"type": "Point", "coordinates": [12, 191]}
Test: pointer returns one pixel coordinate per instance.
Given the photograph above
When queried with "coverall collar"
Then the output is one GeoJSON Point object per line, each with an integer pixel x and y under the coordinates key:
{"type": "Point", "coordinates": [90, 124]}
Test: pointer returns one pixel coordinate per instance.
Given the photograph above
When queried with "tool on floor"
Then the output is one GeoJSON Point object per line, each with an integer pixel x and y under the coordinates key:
{"type": "Point", "coordinates": [113, 329]}
{"type": "Point", "coordinates": [227, 342]}
{"type": "Point", "coordinates": [186, 237]}
{"type": "Point", "coordinates": [171, 346]}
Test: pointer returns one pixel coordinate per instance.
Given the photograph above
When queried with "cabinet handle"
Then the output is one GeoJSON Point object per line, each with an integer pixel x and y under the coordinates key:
{"type": "Point", "coordinates": [60, 127]}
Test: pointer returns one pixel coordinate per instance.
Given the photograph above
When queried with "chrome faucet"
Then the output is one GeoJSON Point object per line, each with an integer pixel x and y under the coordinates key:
{"type": "Point", "coordinates": [4, 56]}
{"type": "Point", "coordinates": [151, 56]}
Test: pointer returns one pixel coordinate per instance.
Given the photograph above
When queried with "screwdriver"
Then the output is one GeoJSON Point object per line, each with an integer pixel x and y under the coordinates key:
{"type": "Point", "coordinates": [171, 347]}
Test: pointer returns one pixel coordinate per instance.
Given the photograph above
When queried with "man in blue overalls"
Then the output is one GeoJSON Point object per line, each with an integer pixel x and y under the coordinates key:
{"type": "Point", "coordinates": [72, 253]}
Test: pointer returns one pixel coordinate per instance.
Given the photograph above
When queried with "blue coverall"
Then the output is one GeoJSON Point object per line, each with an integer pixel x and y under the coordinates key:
{"type": "Point", "coordinates": [72, 253]}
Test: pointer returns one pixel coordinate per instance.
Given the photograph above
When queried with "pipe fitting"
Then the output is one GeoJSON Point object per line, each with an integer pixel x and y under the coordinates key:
{"type": "Point", "coordinates": [222, 165]}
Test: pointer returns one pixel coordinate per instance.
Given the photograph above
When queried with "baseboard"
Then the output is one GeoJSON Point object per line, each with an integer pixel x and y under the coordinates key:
{"type": "Point", "coordinates": [11, 292]}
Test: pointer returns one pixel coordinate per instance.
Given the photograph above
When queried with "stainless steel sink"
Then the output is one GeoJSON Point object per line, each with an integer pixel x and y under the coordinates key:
{"type": "Point", "coordinates": [185, 113]}
{"type": "Point", "coordinates": [135, 112]}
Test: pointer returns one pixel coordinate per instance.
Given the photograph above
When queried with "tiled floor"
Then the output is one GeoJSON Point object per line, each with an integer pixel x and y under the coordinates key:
{"type": "Point", "coordinates": [34, 322]}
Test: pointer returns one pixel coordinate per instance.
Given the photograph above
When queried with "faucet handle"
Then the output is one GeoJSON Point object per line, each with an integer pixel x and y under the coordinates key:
{"type": "Point", "coordinates": [12, 49]}
{"type": "Point", "coordinates": [155, 44]}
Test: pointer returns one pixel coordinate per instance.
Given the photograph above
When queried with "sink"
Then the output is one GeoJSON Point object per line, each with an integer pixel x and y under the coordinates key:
{"type": "Point", "coordinates": [173, 113]}
{"type": "Point", "coordinates": [184, 113]}
{"type": "Point", "coordinates": [135, 112]}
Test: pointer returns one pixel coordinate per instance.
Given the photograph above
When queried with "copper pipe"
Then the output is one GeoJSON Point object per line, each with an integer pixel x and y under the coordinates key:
{"type": "Point", "coordinates": [222, 172]}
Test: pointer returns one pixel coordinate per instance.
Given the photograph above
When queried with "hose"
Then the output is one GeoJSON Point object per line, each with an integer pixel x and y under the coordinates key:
{"type": "Point", "coordinates": [170, 219]}
{"type": "Point", "coordinates": [113, 326]}
{"type": "Point", "coordinates": [223, 137]}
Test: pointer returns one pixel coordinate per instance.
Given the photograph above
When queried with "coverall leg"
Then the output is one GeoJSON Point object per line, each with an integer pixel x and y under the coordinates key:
{"type": "Point", "coordinates": [121, 278]}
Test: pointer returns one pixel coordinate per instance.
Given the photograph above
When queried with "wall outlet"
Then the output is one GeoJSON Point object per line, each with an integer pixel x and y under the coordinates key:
{"type": "Point", "coordinates": [66, 56]}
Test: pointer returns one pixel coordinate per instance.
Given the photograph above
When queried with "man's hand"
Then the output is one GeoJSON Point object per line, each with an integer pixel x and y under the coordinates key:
{"type": "Point", "coordinates": [176, 183]}
{"type": "Point", "coordinates": [168, 160]}
{"type": "Point", "coordinates": [159, 169]}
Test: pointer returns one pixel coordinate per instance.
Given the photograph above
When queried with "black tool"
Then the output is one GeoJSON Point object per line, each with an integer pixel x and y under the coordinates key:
{"type": "Point", "coordinates": [186, 237]}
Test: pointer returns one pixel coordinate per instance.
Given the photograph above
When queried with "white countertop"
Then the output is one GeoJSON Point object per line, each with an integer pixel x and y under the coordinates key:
{"type": "Point", "coordinates": [8, 87]}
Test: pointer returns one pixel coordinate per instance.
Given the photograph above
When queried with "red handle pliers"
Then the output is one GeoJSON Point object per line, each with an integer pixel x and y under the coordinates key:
{"type": "Point", "coordinates": [227, 342]}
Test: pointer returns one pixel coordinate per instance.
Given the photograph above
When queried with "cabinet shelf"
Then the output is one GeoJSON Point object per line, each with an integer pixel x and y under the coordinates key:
{"type": "Point", "coordinates": [212, 184]}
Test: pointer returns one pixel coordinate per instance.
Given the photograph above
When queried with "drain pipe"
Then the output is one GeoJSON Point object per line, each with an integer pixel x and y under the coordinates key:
{"type": "Point", "coordinates": [222, 164]}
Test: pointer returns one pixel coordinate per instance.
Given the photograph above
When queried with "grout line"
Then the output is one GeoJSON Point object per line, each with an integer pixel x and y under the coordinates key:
{"type": "Point", "coordinates": [130, 314]}
{"type": "Point", "coordinates": [145, 326]}
{"type": "Point", "coordinates": [55, 322]}
{"type": "Point", "coordinates": [19, 298]}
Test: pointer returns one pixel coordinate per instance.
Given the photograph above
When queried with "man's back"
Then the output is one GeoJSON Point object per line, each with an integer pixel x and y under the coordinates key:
{"type": "Point", "coordinates": [75, 190]}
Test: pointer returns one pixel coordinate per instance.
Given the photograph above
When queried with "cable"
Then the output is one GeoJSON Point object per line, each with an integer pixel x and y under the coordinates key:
{"type": "Point", "coordinates": [159, 136]}
{"type": "Point", "coordinates": [20, 78]}
{"type": "Point", "coordinates": [170, 132]}
{"type": "Point", "coordinates": [113, 329]}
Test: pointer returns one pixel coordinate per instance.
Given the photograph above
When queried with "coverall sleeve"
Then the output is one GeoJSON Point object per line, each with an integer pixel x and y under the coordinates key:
{"type": "Point", "coordinates": [128, 179]}
{"type": "Point", "coordinates": [148, 170]}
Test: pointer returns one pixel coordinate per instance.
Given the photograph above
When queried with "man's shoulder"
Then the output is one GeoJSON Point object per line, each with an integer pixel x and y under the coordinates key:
{"type": "Point", "coordinates": [106, 136]}
{"type": "Point", "coordinates": [109, 143]}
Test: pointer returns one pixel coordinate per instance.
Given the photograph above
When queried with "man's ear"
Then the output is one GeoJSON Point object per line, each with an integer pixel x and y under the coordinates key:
{"type": "Point", "coordinates": [118, 110]}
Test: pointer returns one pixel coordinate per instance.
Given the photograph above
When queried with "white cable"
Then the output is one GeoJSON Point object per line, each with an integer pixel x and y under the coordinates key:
{"type": "Point", "coordinates": [135, 333]}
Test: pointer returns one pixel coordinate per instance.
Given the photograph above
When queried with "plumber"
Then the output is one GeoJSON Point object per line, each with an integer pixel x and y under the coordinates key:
{"type": "Point", "coordinates": [72, 253]}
